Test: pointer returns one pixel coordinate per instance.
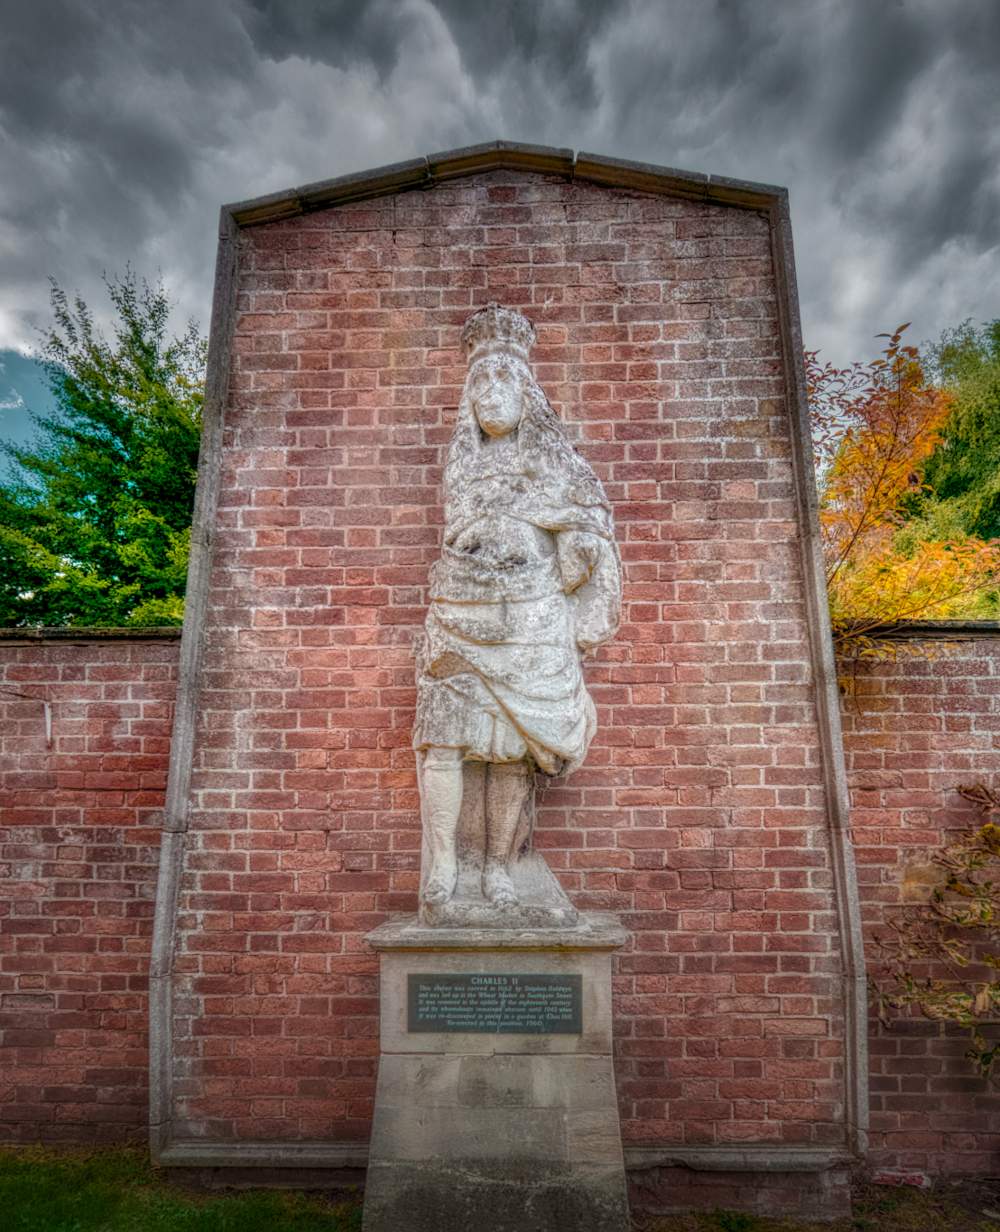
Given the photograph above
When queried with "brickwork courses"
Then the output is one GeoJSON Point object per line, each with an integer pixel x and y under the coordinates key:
{"type": "Point", "coordinates": [79, 839]}
{"type": "Point", "coordinates": [74, 923]}
{"type": "Point", "coordinates": [913, 730]}
{"type": "Point", "coordinates": [700, 815]}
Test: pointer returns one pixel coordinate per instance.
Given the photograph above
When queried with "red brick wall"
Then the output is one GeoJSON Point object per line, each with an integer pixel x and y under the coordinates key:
{"type": "Point", "coordinates": [79, 836]}
{"type": "Point", "coordinates": [78, 855]}
{"type": "Point", "coordinates": [912, 731]}
{"type": "Point", "coordinates": [699, 815]}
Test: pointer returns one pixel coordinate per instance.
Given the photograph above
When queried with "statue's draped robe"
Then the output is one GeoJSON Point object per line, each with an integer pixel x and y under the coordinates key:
{"type": "Point", "coordinates": [529, 579]}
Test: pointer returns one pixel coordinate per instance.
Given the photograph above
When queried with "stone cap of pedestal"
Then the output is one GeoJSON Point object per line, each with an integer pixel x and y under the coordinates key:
{"type": "Point", "coordinates": [597, 930]}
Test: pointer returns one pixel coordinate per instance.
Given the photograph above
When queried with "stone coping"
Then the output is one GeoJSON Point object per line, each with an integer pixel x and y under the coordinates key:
{"type": "Point", "coordinates": [138, 633]}
{"type": "Point", "coordinates": [201, 1154]}
{"type": "Point", "coordinates": [598, 930]}
{"type": "Point", "coordinates": [639, 1156]}
{"type": "Point", "coordinates": [755, 1157]}
{"type": "Point", "coordinates": [417, 173]}
{"type": "Point", "coordinates": [935, 630]}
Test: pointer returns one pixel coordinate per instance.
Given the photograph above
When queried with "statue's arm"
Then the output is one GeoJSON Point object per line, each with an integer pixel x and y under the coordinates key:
{"type": "Point", "coordinates": [591, 575]}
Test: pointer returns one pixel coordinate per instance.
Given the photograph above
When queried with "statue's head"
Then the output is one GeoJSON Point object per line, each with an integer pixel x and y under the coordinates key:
{"type": "Point", "coordinates": [496, 389]}
{"type": "Point", "coordinates": [500, 396]}
{"type": "Point", "coordinates": [497, 342]}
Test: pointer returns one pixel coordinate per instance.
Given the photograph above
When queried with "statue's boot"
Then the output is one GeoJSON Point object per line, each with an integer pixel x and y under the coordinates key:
{"type": "Point", "coordinates": [498, 887]}
{"type": "Point", "coordinates": [441, 795]}
{"type": "Point", "coordinates": [506, 791]}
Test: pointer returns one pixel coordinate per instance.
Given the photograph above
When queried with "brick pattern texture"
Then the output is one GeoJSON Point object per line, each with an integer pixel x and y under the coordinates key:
{"type": "Point", "coordinates": [699, 816]}
{"type": "Point", "coordinates": [78, 844]}
{"type": "Point", "coordinates": [914, 729]}
{"type": "Point", "coordinates": [79, 841]}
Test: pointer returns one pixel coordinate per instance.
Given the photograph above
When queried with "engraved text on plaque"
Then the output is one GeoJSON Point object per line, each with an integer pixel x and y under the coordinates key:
{"type": "Point", "coordinates": [496, 1004]}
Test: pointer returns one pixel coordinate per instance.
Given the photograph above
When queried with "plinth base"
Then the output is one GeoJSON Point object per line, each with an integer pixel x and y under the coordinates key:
{"type": "Point", "coordinates": [498, 1131]}
{"type": "Point", "coordinates": [541, 900]}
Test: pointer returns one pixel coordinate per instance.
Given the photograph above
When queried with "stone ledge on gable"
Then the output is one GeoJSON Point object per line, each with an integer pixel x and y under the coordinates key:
{"type": "Point", "coordinates": [448, 165]}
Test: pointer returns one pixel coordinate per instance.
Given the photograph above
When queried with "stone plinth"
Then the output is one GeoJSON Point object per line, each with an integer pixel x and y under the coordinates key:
{"type": "Point", "coordinates": [505, 1131]}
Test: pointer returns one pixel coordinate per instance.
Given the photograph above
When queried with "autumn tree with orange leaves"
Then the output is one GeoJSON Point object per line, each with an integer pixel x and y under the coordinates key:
{"type": "Point", "coordinates": [874, 428]}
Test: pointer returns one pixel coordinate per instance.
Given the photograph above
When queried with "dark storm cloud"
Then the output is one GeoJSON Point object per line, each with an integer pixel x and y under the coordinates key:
{"type": "Point", "coordinates": [878, 116]}
{"type": "Point", "coordinates": [122, 128]}
{"type": "Point", "coordinates": [71, 81]}
{"type": "Point", "coordinates": [556, 38]}
{"type": "Point", "coordinates": [335, 32]}
{"type": "Point", "coordinates": [832, 81]}
{"type": "Point", "coordinates": [493, 39]}
{"type": "Point", "coordinates": [900, 63]}
{"type": "Point", "coordinates": [97, 151]}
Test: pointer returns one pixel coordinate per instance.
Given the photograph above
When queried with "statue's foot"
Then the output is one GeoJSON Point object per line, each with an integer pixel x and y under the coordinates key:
{"type": "Point", "coordinates": [441, 882]}
{"type": "Point", "coordinates": [499, 888]}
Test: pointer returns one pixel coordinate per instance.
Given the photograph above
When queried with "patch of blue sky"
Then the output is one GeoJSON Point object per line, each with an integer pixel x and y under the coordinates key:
{"type": "Point", "coordinates": [23, 392]}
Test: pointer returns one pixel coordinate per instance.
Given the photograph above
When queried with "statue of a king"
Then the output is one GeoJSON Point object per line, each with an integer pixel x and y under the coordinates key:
{"type": "Point", "coordinates": [528, 585]}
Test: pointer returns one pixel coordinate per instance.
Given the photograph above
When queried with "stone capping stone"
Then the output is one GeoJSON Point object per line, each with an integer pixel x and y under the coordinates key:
{"type": "Point", "coordinates": [598, 930]}
{"type": "Point", "coordinates": [220, 345]}
{"type": "Point", "coordinates": [499, 155]}
{"type": "Point", "coordinates": [425, 172]}
{"type": "Point", "coordinates": [320, 196]}
{"type": "Point", "coordinates": [639, 1156]}
{"type": "Point", "coordinates": [199, 1154]}
{"type": "Point", "coordinates": [936, 631]}
{"type": "Point", "coordinates": [827, 698]}
{"type": "Point", "coordinates": [84, 634]}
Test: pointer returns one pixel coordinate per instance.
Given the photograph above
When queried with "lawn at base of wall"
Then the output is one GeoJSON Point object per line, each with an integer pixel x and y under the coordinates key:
{"type": "Point", "coordinates": [79, 1189]}
{"type": "Point", "coordinates": [52, 1189]}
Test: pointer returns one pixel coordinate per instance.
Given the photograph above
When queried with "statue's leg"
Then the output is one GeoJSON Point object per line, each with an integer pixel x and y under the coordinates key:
{"type": "Point", "coordinates": [441, 803]}
{"type": "Point", "coordinates": [506, 789]}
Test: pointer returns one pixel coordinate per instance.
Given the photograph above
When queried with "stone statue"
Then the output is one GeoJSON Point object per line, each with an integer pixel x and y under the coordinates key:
{"type": "Point", "coordinates": [528, 584]}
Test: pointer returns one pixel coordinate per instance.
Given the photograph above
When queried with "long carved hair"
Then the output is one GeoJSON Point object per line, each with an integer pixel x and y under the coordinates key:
{"type": "Point", "coordinates": [562, 492]}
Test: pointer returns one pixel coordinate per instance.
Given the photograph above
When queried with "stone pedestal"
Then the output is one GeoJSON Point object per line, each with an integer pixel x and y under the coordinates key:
{"type": "Point", "coordinates": [512, 1126]}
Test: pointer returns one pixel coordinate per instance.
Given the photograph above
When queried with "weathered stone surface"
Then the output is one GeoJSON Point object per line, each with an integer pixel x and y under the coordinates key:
{"type": "Point", "coordinates": [529, 582]}
{"type": "Point", "coordinates": [500, 1132]}
{"type": "Point", "coordinates": [594, 931]}
{"type": "Point", "coordinates": [528, 1197]}
{"type": "Point", "coordinates": [586, 949]}
{"type": "Point", "coordinates": [540, 900]}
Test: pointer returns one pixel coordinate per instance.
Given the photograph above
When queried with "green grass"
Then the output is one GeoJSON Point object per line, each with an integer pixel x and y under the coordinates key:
{"type": "Point", "coordinates": [62, 1190]}
{"type": "Point", "coordinates": [65, 1189]}
{"type": "Point", "coordinates": [948, 1206]}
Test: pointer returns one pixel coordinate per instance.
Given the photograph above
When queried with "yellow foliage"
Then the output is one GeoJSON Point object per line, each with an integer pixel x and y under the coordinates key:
{"type": "Point", "coordinates": [874, 428]}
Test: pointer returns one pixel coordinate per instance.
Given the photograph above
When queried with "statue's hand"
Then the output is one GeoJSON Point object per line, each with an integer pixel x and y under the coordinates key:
{"type": "Point", "coordinates": [579, 553]}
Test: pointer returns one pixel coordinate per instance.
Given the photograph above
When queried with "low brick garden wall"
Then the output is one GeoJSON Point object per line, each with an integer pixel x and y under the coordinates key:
{"type": "Point", "coordinates": [78, 855]}
{"type": "Point", "coordinates": [80, 811]}
{"type": "Point", "coordinates": [913, 729]}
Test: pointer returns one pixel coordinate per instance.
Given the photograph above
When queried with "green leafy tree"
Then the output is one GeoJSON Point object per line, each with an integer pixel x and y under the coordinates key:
{"type": "Point", "coordinates": [962, 475]}
{"type": "Point", "coordinates": [95, 516]}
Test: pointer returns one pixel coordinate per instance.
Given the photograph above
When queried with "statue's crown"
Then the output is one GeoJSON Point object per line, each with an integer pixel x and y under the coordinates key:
{"type": "Point", "coordinates": [497, 329]}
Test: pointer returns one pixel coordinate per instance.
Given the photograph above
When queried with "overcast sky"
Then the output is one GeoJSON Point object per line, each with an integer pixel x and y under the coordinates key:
{"type": "Point", "coordinates": [124, 127]}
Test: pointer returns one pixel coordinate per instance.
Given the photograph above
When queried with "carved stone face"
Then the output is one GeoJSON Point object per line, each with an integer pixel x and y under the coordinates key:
{"type": "Point", "coordinates": [497, 396]}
